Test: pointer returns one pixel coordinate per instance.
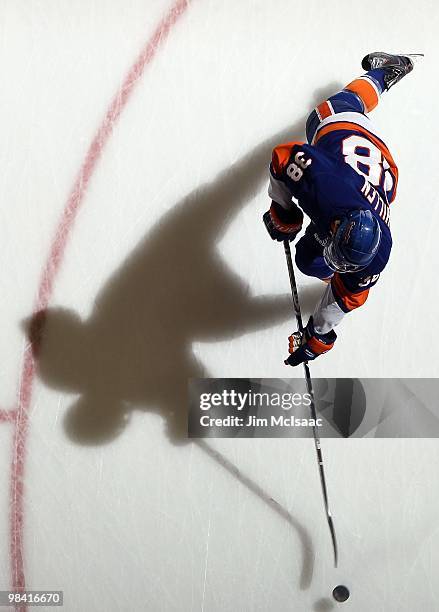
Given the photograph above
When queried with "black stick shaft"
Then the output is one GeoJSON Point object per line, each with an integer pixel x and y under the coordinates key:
{"type": "Point", "coordinates": [317, 444]}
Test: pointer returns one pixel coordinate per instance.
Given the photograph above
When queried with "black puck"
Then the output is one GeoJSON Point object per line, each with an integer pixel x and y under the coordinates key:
{"type": "Point", "coordinates": [340, 593]}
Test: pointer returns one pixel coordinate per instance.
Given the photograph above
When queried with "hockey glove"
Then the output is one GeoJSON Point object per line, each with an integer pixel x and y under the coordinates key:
{"type": "Point", "coordinates": [309, 345]}
{"type": "Point", "coordinates": [283, 224]}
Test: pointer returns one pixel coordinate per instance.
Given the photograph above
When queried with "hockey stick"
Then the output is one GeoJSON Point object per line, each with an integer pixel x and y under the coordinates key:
{"type": "Point", "coordinates": [298, 314]}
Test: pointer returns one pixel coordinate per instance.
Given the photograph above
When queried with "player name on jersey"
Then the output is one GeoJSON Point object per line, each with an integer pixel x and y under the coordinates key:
{"type": "Point", "coordinates": [376, 201]}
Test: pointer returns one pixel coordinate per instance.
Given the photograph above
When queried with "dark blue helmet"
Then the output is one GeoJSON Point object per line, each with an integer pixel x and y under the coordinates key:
{"type": "Point", "coordinates": [354, 243]}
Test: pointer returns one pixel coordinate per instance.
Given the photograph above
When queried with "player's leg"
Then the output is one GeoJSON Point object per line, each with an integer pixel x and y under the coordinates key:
{"type": "Point", "coordinates": [362, 94]}
{"type": "Point", "coordinates": [309, 256]}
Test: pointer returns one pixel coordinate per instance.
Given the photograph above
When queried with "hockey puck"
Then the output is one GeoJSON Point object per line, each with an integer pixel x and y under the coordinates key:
{"type": "Point", "coordinates": [340, 593]}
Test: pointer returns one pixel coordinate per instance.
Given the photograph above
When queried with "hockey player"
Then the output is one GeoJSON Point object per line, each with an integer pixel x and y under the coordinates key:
{"type": "Point", "coordinates": [344, 180]}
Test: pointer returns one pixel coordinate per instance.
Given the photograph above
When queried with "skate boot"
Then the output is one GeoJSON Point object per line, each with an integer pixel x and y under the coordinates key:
{"type": "Point", "coordinates": [395, 66]}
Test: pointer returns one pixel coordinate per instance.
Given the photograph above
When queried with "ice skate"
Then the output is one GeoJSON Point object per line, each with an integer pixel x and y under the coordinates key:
{"type": "Point", "coordinates": [396, 66]}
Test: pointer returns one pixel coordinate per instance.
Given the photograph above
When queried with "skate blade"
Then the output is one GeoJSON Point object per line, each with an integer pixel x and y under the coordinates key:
{"type": "Point", "coordinates": [415, 57]}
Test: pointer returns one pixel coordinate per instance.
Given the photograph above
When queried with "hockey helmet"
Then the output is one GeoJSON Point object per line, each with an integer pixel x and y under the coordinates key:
{"type": "Point", "coordinates": [354, 242]}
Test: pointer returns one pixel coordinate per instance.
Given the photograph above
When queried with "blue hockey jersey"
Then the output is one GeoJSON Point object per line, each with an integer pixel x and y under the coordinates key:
{"type": "Point", "coordinates": [346, 168]}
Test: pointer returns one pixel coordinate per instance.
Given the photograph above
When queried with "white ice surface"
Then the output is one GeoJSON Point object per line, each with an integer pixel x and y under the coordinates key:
{"type": "Point", "coordinates": [135, 520]}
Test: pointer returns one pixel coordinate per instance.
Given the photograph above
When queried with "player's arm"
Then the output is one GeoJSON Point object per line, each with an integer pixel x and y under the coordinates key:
{"type": "Point", "coordinates": [345, 293]}
{"type": "Point", "coordinates": [287, 168]}
{"type": "Point", "coordinates": [289, 173]}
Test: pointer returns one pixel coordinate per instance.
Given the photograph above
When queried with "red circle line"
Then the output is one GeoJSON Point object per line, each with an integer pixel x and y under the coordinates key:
{"type": "Point", "coordinates": [20, 416]}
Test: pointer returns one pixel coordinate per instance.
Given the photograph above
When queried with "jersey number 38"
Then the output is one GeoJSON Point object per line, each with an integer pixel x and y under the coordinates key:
{"type": "Point", "coordinates": [367, 159]}
{"type": "Point", "coordinates": [296, 168]}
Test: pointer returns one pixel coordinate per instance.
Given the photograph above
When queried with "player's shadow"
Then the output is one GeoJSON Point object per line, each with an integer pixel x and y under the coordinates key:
{"type": "Point", "coordinates": [135, 348]}
{"type": "Point", "coordinates": [134, 351]}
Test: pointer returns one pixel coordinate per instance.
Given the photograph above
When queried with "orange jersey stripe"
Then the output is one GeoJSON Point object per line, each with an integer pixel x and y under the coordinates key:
{"type": "Point", "coordinates": [366, 91]}
{"type": "Point", "coordinates": [349, 300]}
{"type": "Point", "coordinates": [344, 125]}
{"type": "Point", "coordinates": [281, 156]}
{"type": "Point", "coordinates": [324, 110]}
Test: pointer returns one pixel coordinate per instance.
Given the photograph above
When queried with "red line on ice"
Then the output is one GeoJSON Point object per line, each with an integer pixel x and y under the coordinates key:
{"type": "Point", "coordinates": [8, 416]}
{"type": "Point", "coordinates": [49, 274]}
